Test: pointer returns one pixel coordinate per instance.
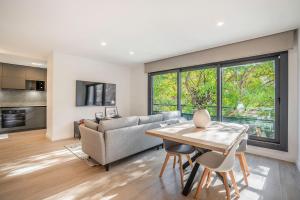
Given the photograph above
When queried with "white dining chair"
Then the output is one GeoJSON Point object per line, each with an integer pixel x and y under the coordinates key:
{"type": "Point", "coordinates": [240, 154]}
{"type": "Point", "coordinates": [217, 162]}
{"type": "Point", "coordinates": [177, 150]}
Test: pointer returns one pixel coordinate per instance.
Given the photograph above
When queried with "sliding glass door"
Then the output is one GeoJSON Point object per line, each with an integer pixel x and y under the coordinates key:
{"type": "Point", "coordinates": [249, 97]}
{"type": "Point", "coordinates": [199, 90]}
{"type": "Point", "coordinates": [252, 91]}
{"type": "Point", "coordinates": [164, 92]}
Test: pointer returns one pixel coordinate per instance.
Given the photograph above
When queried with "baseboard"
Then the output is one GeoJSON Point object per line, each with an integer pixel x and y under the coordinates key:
{"type": "Point", "coordinates": [270, 153]}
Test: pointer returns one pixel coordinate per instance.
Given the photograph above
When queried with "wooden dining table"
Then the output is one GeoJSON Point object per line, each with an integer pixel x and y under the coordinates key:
{"type": "Point", "coordinates": [218, 136]}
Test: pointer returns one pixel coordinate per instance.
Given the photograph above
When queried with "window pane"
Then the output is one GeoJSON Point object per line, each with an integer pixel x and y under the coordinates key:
{"type": "Point", "coordinates": [248, 97]}
{"type": "Point", "coordinates": [199, 90]}
{"type": "Point", "coordinates": [164, 92]}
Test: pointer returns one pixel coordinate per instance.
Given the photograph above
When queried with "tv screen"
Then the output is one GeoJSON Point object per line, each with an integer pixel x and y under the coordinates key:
{"type": "Point", "coordinates": [95, 94]}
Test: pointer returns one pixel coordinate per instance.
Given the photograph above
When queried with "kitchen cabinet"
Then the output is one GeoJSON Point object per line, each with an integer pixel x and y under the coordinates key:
{"type": "Point", "coordinates": [0, 75]}
{"type": "Point", "coordinates": [16, 71]}
{"type": "Point", "coordinates": [13, 83]}
{"type": "Point", "coordinates": [36, 74]}
{"type": "Point", "coordinates": [0, 69]}
{"type": "Point", "coordinates": [15, 76]}
{"type": "Point", "coordinates": [12, 77]}
{"type": "Point", "coordinates": [35, 118]}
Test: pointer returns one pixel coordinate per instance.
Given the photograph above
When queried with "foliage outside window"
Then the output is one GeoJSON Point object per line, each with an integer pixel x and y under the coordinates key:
{"type": "Point", "coordinates": [248, 97]}
{"type": "Point", "coordinates": [199, 91]}
{"type": "Point", "coordinates": [164, 92]}
{"type": "Point", "coordinates": [251, 91]}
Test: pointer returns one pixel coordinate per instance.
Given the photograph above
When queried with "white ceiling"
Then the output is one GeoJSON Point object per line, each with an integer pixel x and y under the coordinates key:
{"type": "Point", "coordinates": [153, 29]}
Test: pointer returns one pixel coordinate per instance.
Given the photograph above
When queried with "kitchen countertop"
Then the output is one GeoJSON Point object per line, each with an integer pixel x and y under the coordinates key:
{"type": "Point", "coordinates": [12, 105]}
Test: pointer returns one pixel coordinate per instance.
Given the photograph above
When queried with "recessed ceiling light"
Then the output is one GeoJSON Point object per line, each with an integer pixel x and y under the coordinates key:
{"type": "Point", "coordinates": [220, 23]}
{"type": "Point", "coordinates": [103, 44]}
{"type": "Point", "coordinates": [37, 64]}
{"type": "Point", "coordinates": [131, 52]}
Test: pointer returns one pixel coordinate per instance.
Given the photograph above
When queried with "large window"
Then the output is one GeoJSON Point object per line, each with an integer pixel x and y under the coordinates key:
{"type": "Point", "coordinates": [248, 97]}
{"type": "Point", "coordinates": [249, 91]}
{"type": "Point", "coordinates": [199, 89]}
{"type": "Point", "coordinates": [164, 92]}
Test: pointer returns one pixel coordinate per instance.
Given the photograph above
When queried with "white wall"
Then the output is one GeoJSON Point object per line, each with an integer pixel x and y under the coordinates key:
{"type": "Point", "coordinates": [139, 85]}
{"type": "Point", "coordinates": [139, 91]}
{"type": "Point", "coordinates": [50, 96]}
{"type": "Point", "coordinates": [64, 71]}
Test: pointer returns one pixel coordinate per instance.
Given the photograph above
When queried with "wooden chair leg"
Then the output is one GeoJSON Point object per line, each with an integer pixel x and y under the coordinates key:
{"type": "Point", "coordinates": [224, 175]}
{"type": "Point", "coordinates": [237, 192]}
{"type": "Point", "coordinates": [189, 160]}
{"type": "Point", "coordinates": [174, 163]}
{"type": "Point", "coordinates": [209, 179]}
{"type": "Point", "coordinates": [164, 165]}
{"type": "Point", "coordinates": [201, 183]}
{"type": "Point", "coordinates": [245, 163]}
{"type": "Point", "coordinates": [181, 170]}
{"type": "Point", "coordinates": [240, 157]}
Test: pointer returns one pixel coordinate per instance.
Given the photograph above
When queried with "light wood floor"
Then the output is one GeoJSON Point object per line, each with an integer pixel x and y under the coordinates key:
{"type": "Point", "coordinates": [32, 167]}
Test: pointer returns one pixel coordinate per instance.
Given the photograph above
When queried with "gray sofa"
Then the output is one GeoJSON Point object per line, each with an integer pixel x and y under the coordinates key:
{"type": "Point", "coordinates": [112, 140]}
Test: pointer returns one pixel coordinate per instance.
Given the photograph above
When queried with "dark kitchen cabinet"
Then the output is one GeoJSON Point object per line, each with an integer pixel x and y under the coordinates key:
{"type": "Point", "coordinates": [35, 118]}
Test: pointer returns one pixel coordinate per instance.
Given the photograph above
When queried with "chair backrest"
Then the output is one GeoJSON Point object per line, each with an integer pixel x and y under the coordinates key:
{"type": "Point", "coordinates": [228, 162]}
{"type": "Point", "coordinates": [168, 144]}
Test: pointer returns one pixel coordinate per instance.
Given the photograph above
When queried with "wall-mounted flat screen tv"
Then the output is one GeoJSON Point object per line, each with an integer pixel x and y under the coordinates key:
{"type": "Point", "coordinates": [95, 94]}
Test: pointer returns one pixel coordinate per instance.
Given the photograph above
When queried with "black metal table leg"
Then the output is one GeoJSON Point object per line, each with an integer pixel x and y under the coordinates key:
{"type": "Point", "coordinates": [220, 176]}
{"type": "Point", "coordinates": [189, 183]}
{"type": "Point", "coordinates": [194, 157]}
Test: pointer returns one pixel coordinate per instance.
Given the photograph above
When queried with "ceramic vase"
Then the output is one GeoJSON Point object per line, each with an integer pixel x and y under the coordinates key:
{"type": "Point", "coordinates": [201, 118]}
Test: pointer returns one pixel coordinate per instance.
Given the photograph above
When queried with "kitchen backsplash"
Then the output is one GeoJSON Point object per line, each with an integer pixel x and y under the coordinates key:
{"type": "Point", "coordinates": [22, 98]}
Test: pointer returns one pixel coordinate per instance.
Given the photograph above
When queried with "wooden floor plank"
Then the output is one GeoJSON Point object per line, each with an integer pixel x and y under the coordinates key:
{"type": "Point", "coordinates": [32, 167]}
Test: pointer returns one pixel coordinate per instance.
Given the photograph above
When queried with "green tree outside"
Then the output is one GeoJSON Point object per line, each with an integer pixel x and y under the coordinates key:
{"type": "Point", "coordinates": [248, 94]}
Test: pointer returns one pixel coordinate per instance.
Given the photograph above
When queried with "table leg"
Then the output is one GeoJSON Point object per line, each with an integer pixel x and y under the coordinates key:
{"type": "Point", "coordinates": [189, 183]}
{"type": "Point", "coordinates": [194, 157]}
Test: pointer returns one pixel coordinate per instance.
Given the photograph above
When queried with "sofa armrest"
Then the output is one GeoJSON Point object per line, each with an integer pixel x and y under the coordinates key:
{"type": "Point", "coordinates": [93, 144]}
{"type": "Point", "coordinates": [122, 142]}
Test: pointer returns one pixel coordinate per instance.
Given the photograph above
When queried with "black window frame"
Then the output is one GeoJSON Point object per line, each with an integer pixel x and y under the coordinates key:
{"type": "Point", "coordinates": [281, 94]}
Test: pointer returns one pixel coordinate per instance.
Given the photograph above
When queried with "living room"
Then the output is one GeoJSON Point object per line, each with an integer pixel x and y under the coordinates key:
{"type": "Point", "coordinates": [203, 100]}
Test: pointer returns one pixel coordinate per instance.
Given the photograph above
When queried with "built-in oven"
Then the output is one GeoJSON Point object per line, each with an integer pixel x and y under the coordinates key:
{"type": "Point", "coordinates": [13, 118]}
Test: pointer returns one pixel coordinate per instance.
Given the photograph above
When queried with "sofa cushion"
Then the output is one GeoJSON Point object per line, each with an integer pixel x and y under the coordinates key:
{"type": "Point", "coordinates": [106, 125]}
{"type": "Point", "coordinates": [90, 124]}
{"type": "Point", "coordinates": [127, 141]}
{"type": "Point", "coordinates": [171, 115]}
{"type": "Point", "coordinates": [150, 119]}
